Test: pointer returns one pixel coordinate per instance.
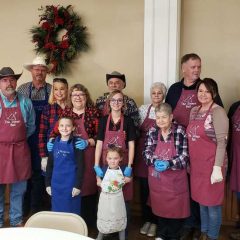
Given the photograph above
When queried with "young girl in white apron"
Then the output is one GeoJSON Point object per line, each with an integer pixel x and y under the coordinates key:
{"type": "Point", "coordinates": [111, 215]}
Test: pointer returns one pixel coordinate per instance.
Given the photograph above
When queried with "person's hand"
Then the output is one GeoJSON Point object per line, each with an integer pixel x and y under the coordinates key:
{"type": "Point", "coordinates": [75, 192]}
{"type": "Point", "coordinates": [50, 145]}
{"type": "Point", "coordinates": [44, 163]}
{"type": "Point", "coordinates": [98, 171]}
{"type": "Point", "coordinates": [81, 144]}
{"type": "Point", "coordinates": [161, 165]}
{"type": "Point", "coordinates": [216, 175]}
{"type": "Point", "coordinates": [127, 172]}
{"type": "Point", "coordinates": [127, 179]}
{"type": "Point", "coordinates": [99, 181]}
{"type": "Point", "coordinates": [49, 191]}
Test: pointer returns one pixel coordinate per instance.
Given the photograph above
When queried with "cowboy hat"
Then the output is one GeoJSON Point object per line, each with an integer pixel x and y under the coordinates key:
{"type": "Point", "coordinates": [8, 72]}
{"type": "Point", "coordinates": [39, 60]}
{"type": "Point", "coordinates": [118, 75]}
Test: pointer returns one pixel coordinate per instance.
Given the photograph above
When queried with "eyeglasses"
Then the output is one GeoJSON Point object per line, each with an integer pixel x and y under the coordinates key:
{"type": "Point", "coordinates": [116, 101]}
{"type": "Point", "coordinates": [78, 95]}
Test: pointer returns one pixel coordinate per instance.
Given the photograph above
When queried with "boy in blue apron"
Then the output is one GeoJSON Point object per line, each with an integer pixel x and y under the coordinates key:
{"type": "Point", "coordinates": [65, 170]}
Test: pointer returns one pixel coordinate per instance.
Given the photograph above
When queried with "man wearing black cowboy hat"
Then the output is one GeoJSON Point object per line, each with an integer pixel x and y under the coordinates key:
{"type": "Point", "coordinates": [117, 81]}
{"type": "Point", "coordinates": [17, 120]}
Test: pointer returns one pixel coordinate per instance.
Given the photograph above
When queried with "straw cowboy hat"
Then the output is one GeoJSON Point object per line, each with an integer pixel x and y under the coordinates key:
{"type": "Point", "coordinates": [39, 60]}
{"type": "Point", "coordinates": [8, 72]}
{"type": "Point", "coordinates": [116, 74]}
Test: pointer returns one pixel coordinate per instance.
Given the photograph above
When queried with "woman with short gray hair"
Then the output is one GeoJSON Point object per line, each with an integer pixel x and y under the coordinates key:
{"type": "Point", "coordinates": [147, 120]}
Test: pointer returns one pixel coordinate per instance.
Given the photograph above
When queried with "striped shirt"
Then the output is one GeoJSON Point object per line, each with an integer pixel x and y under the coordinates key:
{"type": "Point", "coordinates": [180, 142]}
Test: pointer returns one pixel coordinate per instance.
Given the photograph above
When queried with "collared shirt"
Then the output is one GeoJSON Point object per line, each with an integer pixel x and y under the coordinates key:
{"type": "Point", "coordinates": [27, 110]}
{"type": "Point", "coordinates": [37, 94]}
{"type": "Point", "coordinates": [180, 142]}
{"type": "Point", "coordinates": [49, 117]}
{"type": "Point", "coordinates": [131, 109]}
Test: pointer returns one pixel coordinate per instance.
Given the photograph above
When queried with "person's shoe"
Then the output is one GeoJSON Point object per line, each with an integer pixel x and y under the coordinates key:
{"type": "Point", "coordinates": [203, 236]}
{"type": "Point", "coordinates": [145, 227]}
{"type": "Point", "coordinates": [158, 238]}
{"type": "Point", "coordinates": [152, 230]}
{"type": "Point", "coordinates": [187, 234]}
{"type": "Point", "coordinates": [197, 234]}
{"type": "Point", "coordinates": [235, 235]}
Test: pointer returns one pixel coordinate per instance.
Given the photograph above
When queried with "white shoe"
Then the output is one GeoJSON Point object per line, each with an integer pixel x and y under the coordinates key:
{"type": "Point", "coordinates": [152, 230]}
{"type": "Point", "coordinates": [158, 238]}
{"type": "Point", "coordinates": [144, 229]}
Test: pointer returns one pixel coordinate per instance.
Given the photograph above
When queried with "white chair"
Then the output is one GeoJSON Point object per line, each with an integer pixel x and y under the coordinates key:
{"type": "Point", "coordinates": [58, 220]}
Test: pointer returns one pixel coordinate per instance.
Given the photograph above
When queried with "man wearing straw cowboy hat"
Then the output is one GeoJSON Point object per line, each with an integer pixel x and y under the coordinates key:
{"type": "Point", "coordinates": [38, 91]}
{"type": "Point", "coordinates": [17, 120]}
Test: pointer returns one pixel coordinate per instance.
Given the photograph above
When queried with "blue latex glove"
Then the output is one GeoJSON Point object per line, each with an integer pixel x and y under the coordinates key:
{"type": "Point", "coordinates": [128, 172]}
{"type": "Point", "coordinates": [50, 145]}
{"type": "Point", "coordinates": [81, 144]}
{"type": "Point", "coordinates": [161, 165]}
{"type": "Point", "coordinates": [98, 171]}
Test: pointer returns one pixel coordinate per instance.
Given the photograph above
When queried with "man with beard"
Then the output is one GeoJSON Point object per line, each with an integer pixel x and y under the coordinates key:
{"type": "Point", "coordinates": [17, 121]}
{"type": "Point", "coordinates": [38, 91]}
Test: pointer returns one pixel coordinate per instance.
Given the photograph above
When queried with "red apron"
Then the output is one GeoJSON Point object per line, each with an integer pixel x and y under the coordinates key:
{"type": "Point", "coordinates": [186, 102]}
{"type": "Point", "coordinates": [15, 159]}
{"type": "Point", "coordinates": [89, 186]}
{"type": "Point", "coordinates": [140, 168]}
{"type": "Point", "coordinates": [235, 152]}
{"type": "Point", "coordinates": [117, 138]}
{"type": "Point", "coordinates": [169, 194]}
{"type": "Point", "coordinates": [202, 151]}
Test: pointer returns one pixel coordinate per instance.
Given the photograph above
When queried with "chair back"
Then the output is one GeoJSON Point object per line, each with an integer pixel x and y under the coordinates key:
{"type": "Point", "coordinates": [58, 220]}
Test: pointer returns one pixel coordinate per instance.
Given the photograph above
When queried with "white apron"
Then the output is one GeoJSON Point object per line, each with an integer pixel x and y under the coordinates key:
{"type": "Point", "coordinates": [112, 215]}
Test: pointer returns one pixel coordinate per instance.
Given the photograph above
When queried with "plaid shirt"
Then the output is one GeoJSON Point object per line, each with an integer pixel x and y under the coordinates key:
{"type": "Point", "coordinates": [91, 120]}
{"type": "Point", "coordinates": [180, 142]}
{"type": "Point", "coordinates": [49, 117]}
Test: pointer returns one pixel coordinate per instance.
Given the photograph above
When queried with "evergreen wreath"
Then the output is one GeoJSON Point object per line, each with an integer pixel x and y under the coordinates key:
{"type": "Point", "coordinates": [59, 52]}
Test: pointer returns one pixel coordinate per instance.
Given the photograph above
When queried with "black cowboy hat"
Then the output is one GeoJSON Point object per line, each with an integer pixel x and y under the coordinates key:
{"type": "Point", "coordinates": [8, 72]}
{"type": "Point", "coordinates": [116, 74]}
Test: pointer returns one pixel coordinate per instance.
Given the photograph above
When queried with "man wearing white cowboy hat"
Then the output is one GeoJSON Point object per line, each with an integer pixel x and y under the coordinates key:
{"type": "Point", "coordinates": [17, 120]}
{"type": "Point", "coordinates": [117, 81]}
{"type": "Point", "coordinates": [38, 91]}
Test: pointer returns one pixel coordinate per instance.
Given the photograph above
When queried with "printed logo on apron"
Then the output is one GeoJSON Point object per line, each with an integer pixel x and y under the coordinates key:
{"type": "Point", "coordinates": [114, 141]}
{"type": "Point", "coordinates": [11, 120]}
{"type": "Point", "coordinates": [193, 133]}
{"type": "Point", "coordinates": [189, 102]}
{"type": "Point", "coordinates": [236, 126]}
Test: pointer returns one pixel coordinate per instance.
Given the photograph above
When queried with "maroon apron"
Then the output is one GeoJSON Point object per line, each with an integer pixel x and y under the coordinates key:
{"type": "Point", "coordinates": [15, 159]}
{"type": "Point", "coordinates": [169, 194]}
{"type": "Point", "coordinates": [202, 151]}
{"type": "Point", "coordinates": [186, 102]}
{"type": "Point", "coordinates": [140, 168]}
{"type": "Point", "coordinates": [89, 186]}
{"type": "Point", "coordinates": [235, 152]}
{"type": "Point", "coordinates": [117, 138]}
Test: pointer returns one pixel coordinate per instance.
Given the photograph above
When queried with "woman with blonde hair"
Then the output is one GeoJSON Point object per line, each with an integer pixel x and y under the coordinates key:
{"type": "Point", "coordinates": [58, 100]}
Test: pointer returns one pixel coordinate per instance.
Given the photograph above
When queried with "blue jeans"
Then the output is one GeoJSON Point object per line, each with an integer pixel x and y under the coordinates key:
{"type": "Point", "coordinates": [17, 191]}
{"type": "Point", "coordinates": [211, 219]}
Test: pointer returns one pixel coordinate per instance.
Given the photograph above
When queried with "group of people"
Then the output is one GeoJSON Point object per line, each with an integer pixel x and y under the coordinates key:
{"type": "Point", "coordinates": [55, 140]}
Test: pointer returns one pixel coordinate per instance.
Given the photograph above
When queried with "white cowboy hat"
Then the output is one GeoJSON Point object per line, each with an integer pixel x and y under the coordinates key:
{"type": "Point", "coordinates": [39, 60]}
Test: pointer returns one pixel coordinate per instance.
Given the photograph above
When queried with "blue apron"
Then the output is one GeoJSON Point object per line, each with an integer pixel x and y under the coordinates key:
{"type": "Point", "coordinates": [63, 178]}
{"type": "Point", "coordinates": [38, 106]}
